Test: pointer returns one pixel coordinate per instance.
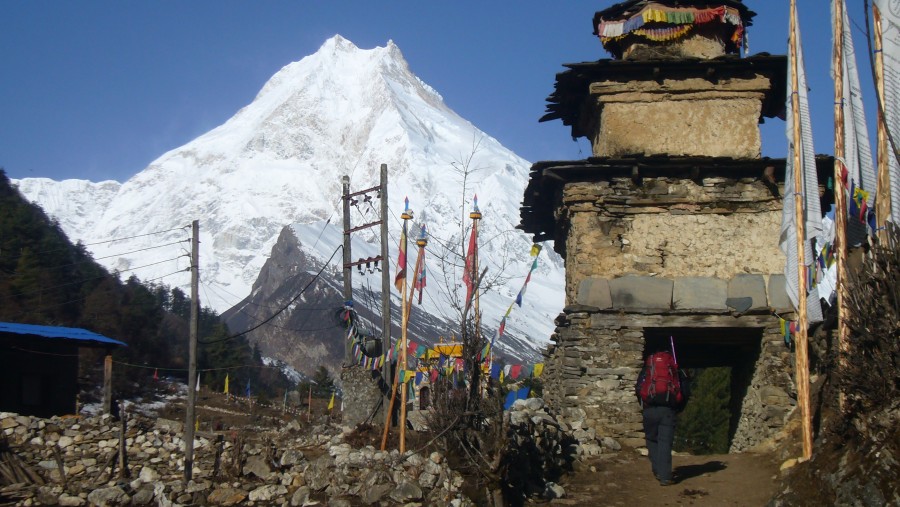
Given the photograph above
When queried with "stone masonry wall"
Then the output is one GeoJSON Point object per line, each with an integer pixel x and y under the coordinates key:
{"type": "Point", "coordinates": [590, 376]}
{"type": "Point", "coordinates": [694, 117]}
{"type": "Point", "coordinates": [666, 252]}
{"type": "Point", "coordinates": [671, 227]}
{"type": "Point", "coordinates": [593, 365]}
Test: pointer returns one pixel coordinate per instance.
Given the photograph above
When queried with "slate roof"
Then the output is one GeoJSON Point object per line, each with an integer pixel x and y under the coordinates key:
{"type": "Point", "coordinates": [572, 87]}
{"type": "Point", "coordinates": [82, 337]}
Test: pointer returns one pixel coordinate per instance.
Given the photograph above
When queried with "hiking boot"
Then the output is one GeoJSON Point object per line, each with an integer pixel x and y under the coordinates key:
{"type": "Point", "coordinates": [665, 483]}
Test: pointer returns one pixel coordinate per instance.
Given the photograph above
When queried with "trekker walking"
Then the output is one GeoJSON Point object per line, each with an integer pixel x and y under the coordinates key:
{"type": "Point", "coordinates": [662, 391]}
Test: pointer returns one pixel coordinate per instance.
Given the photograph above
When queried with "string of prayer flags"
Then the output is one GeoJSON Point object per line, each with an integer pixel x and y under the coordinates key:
{"type": "Point", "coordinates": [788, 329]}
{"type": "Point", "coordinates": [684, 18]}
{"type": "Point", "coordinates": [512, 396]}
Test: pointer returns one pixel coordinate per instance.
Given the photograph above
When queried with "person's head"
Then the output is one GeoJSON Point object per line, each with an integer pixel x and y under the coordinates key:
{"type": "Point", "coordinates": [654, 345]}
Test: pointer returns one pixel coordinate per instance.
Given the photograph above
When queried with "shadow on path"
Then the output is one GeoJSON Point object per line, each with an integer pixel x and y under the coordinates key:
{"type": "Point", "coordinates": [688, 471]}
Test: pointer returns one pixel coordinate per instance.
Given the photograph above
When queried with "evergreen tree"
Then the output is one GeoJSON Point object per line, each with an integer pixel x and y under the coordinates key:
{"type": "Point", "coordinates": [703, 425]}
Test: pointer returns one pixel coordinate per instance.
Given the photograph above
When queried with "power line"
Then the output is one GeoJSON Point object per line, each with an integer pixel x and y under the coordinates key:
{"type": "Point", "coordinates": [114, 255]}
{"type": "Point", "coordinates": [47, 307]}
{"type": "Point", "coordinates": [291, 302]}
{"type": "Point", "coordinates": [102, 242]}
{"type": "Point", "coordinates": [42, 289]}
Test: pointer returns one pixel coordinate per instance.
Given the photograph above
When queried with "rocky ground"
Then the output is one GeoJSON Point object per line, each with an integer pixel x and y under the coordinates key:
{"type": "Point", "coordinates": [243, 456]}
{"type": "Point", "coordinates": [257, 455]}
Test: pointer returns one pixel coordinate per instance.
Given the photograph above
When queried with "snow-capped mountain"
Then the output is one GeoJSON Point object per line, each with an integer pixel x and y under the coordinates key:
{"type": "Point", "coordinates": [279, 161]}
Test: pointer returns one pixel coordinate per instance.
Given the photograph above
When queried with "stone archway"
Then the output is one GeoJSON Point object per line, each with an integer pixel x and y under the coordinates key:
{"type": "Point", "coordinates": [597, 357]}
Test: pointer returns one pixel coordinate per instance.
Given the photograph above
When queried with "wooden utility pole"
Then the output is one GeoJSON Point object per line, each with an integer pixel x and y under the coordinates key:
{"type": "Point", "coordinates": [840, 199]}
{"type": "Point", "coordinates": [385, 286]}
{"type": "Point", "coordinates": [801, 355]}
{"type": "Point", "coordinates": [192, 353]}
{"type": "Point", "coordinates": [348, 268]}
{"type": "Point", "coordinates": [107, 382]}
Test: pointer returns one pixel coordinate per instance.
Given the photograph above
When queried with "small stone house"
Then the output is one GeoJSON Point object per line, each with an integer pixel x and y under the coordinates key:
{"type": "Point", "coordinates": [39, 367]}
{"type": "Point", "coordinates": [670, 228]}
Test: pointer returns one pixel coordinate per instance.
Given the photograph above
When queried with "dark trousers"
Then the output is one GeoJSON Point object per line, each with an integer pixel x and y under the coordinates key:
{"type": "Point", "coordinates": [659, 432]}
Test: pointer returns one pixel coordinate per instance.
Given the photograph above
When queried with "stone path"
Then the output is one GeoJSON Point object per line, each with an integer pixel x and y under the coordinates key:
{"type": "Point", "coordinates": [717, 480]}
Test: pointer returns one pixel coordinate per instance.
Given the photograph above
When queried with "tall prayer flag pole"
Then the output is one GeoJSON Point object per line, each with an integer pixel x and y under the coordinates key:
{"type": "Point", "coordinates": [802, 359]}
{"type": "Point", "coordinates": [400, 283]}
{"type": "Point", "coordinates": [475, 215]}
{"type": "Point", "coordinates": [883, 189]}
{"type": "Point", "coordinates": [421, 242]}
{"type": "Point", "coordinates": [840, 201]}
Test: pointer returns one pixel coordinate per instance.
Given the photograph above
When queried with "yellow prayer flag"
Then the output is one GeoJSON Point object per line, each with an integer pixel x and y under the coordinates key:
{"type": "Point", "coordinates": [226, 383]}
{"type": "Point", "coordinates": [501, 376]}
{"type": "Point", "coordinates": [535, 250]}
{"type": "Point", "coordinates": [538, 369]}
{"type": "Point", "coordinates": [331, 403]}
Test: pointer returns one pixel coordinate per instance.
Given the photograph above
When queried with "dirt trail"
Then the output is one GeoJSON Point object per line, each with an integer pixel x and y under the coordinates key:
{"type": "Point", "coordinates": [716, 480]}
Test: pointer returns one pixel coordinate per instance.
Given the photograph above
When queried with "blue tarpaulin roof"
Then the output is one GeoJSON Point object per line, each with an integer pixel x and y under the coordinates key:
{"type": "Point", "coordinates": [55, 332]}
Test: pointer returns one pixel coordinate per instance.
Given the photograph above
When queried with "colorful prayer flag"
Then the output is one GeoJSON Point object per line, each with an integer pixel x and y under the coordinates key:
{"type": "Point", "coordinates": [226, 383]}
{"type": "Point", "coordinates": [420, 281]}
{"type": "Point", "coordinates": [469, 275]}
{"type": "Point", "coordinates": [538, 369]}
{"type": "Point", "coordinates": [400, 279]}
{"type": "Point", "coordinates": [331, 403]}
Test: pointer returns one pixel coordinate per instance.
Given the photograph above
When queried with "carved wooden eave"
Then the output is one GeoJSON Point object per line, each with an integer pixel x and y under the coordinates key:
{"type": "Point", "coordinates": [543, 195]}
{"type": "Point", "coordinates": [572, 101]}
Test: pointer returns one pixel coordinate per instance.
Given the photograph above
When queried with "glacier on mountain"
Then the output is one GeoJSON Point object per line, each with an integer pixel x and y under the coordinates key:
{"type": "Point", "coordinates": [279, 161]}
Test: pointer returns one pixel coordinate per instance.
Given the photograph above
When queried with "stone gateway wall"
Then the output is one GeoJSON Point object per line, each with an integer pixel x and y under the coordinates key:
{"type": "Point", "coordinates": [592, 367]}
{"type": "Point", "coordinates": [696, 255]}
{"type": "Point", "coordinates": [718, 227]}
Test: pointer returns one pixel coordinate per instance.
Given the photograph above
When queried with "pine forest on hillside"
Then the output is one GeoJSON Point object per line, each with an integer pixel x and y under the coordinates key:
{"type": "Point", "coordinates": [46, 280]}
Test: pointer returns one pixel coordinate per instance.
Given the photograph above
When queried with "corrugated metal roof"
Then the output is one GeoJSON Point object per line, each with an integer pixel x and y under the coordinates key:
{"type": "Point", "coordinates": [55, 332]}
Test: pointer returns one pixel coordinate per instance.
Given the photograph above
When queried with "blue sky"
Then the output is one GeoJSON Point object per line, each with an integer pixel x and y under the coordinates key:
{"type": "Point", "coordinates": [98, 89]}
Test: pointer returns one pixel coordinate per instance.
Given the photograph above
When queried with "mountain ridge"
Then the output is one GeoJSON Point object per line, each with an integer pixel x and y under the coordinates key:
{"type": "Point", "coordinates": [278, 162]}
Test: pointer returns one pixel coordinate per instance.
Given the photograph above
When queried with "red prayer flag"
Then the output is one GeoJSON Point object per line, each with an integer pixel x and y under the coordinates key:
{"type": "Point", "coordinates": [469, 274]}
{"type": "Point", "coordinates": [400, 279]}
{"type": "Point", "coordinates": [515, 371]}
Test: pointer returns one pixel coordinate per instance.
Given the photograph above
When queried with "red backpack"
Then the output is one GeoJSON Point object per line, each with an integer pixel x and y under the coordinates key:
{"type": "Point", "coordinates": [660, 385]}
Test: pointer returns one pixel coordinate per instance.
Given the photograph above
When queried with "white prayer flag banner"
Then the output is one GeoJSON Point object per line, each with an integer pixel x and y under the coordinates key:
{"type": "Point", "coordinates": [812, 212]}
{"type": "Point", "coordinates": [890, 28]}
{"type": "Point", "coordinates": [858, 159]}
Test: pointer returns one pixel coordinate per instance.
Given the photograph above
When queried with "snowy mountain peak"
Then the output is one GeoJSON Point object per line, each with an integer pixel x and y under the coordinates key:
{"type": "Point", "coordinates": [279, 161]}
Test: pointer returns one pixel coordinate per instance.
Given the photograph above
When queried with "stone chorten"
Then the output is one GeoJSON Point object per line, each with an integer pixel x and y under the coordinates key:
{"type": "Point", "coordinates": [671, 227]}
